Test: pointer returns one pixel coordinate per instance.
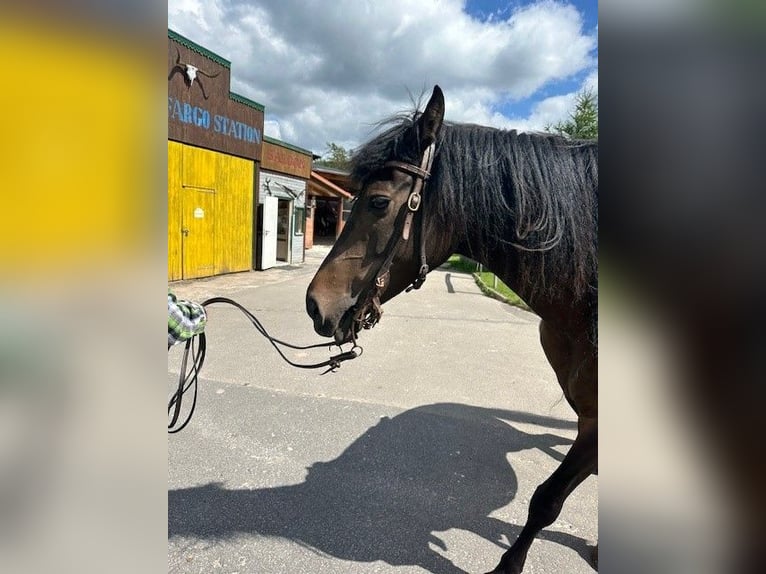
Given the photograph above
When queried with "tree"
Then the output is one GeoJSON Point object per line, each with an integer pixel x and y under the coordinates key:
{"type": "Point", "coordinates": [336, 156]}
{"type": "Point", "coordinates": [583, 121]}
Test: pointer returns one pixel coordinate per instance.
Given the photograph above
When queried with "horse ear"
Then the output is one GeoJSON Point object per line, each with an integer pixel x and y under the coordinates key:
{"type": "Point", "coordinates": [432, 118]}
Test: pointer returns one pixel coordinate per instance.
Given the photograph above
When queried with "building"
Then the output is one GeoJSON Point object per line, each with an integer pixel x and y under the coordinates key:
{"type": "Point", "coordinates": [237, 200]}
{"type": "Point", "coordinates": [215, 146]}
{"type": "Point", "coordinates": [330, 196]}
{"type": "Point", "coordinates": [284, 176]}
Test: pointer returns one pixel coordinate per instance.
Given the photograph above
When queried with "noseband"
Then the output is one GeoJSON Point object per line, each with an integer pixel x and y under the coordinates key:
{"type": "Point", "coordinates": [369, 311]}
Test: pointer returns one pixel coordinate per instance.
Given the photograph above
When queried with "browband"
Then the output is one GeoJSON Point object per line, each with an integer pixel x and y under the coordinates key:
{"type": "Point", "coordinates": [409, 168]}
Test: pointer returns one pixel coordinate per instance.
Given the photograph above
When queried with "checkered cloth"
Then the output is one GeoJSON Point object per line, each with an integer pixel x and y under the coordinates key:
{"type": "Point", "coordinates": [185, 319]}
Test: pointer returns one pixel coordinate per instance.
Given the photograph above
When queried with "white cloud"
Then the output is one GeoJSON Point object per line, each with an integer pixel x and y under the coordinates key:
{"type": "Point", "coordinates": [591, 82]}
{"type": "Point", "coordinates": [554, 109]}
{"type": "Point", "coordinates": [325, 72]}
{"type": "Point", "coordinates": [272, 129]}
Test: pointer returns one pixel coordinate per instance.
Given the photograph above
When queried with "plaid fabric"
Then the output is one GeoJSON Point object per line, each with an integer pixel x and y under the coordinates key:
{"type": "Point", "coordinates": [185, 319]}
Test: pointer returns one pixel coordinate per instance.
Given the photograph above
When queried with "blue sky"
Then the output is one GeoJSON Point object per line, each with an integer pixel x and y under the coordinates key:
{"type": "Point", "coordinates": [493, 10]}
{"type": "Point", "coordinates": [484, 9]}
{"type": "Point", "coordinates": [326, 75]}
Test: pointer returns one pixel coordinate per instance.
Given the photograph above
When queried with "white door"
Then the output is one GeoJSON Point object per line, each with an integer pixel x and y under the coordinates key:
{"type": "Point", "coordinates": [283, 230]}
{"type": "Point", "coordinates": [269, 233]}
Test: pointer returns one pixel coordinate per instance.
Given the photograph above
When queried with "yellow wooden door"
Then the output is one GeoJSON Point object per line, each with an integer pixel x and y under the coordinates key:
{"type": "Point", "coordinates": [198, 232]}
{"type": "Point", "coordinates": [235, 180]}
{"type": "Point", "coordinates": [210, 212]}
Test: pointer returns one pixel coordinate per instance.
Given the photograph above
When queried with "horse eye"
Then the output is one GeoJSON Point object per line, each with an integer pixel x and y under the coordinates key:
{"type": "Point", "coordinates": [379, 202]}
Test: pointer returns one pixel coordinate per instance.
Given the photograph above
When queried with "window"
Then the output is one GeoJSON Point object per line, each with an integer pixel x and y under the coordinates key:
{"type": "Point", "coordinates": [299, 220]}
{"type": "Point", "coordinates": [347, 205]}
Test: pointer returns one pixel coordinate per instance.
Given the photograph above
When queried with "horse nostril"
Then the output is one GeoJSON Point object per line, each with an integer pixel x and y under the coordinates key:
{"type": "Point", "coordinates": [324, 326]}
{"type": "Point", "coordinates": [311, 306]}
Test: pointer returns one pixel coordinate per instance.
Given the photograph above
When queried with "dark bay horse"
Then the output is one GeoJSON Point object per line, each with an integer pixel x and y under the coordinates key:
{"type": "Point", "coordinates": [525, 206]}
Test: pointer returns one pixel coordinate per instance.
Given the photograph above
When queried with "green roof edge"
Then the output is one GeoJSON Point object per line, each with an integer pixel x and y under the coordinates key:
{"type": "Point", "coordinates": [197, 48]}
{"type": "Point", "coordinates": [247, 101]}
{"type": "Point", "coordinates": [275, 141]}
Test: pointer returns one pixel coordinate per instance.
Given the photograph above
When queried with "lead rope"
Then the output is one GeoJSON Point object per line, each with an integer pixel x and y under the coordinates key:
{"type": "Point", "coordinates": [189, 379]}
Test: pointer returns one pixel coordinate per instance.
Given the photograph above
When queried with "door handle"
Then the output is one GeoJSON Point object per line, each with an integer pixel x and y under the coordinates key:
{"type": "Point", "coordinates": [185, 232]}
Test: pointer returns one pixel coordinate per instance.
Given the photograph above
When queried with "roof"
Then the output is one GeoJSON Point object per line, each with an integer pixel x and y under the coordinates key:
{"type": "Point", "coordinates": [318, 185]}
{"type": "Point", "coordinates": [246, 101]}
{"type": "Point", "coordinates": [327, 169]}
{"type": "Point", "coordinates": [339, 177]}
{"type": "Point", "coordinates": [275, 141]}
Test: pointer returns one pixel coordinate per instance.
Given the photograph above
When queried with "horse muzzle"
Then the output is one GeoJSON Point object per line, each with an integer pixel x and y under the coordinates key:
{"type": "Point", "coordinates": [333, 318]}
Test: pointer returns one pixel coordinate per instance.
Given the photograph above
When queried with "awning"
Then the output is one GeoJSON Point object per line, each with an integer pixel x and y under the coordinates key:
{"type": "Point", "coordinates": [323, 187]}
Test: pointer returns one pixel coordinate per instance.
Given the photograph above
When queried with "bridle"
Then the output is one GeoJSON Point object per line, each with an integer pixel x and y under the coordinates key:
{"type": "Point", "coordinates": [369, 310]}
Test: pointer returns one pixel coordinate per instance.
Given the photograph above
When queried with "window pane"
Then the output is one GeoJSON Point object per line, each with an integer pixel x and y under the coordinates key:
{"type": "Point", "coordinates": [347, 205]}
{"type": "Point", "coordinates": [299, 222]}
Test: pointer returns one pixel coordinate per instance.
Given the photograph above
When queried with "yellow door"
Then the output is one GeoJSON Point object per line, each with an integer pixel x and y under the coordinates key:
{"type": "Point", "coordinates": [210, 212]}
{"type": "Point", "coordinates": [198, 232]}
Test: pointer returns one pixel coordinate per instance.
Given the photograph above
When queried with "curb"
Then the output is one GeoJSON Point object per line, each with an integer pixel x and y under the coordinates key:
{"type": "Point", "coordinates": [490, 292]}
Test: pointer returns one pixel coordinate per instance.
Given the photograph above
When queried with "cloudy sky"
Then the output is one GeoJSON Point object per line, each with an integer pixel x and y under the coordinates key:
{"type": "Point", "coordinates": [327, 71]}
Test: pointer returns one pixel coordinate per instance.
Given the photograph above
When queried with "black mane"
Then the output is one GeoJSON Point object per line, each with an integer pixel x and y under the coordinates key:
{"type": "Point", "coordinates": [533, 193]}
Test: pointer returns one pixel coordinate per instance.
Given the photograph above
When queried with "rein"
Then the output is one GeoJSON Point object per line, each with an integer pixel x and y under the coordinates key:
{"type": "Point", "coordinates": [369, 311]}
{"type": "Point", "coordinates": [189, 379]}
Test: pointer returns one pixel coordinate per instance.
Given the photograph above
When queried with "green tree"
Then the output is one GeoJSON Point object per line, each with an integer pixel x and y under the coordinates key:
{"type": "Point", "coordinates": [336, 156]}
{"type": "Point", "coordinates": [583, 121]}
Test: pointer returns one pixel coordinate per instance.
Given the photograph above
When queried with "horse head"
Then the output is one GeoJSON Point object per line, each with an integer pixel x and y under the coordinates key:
{"type": "Point", "coordinates": [381, 249]}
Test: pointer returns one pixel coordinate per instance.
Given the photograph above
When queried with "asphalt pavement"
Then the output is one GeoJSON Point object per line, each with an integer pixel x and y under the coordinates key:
{"type": "Point", "coordinates": [419, 456]}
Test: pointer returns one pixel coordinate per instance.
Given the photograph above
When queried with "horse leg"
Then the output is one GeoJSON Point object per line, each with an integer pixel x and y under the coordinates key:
{"type": "Point", "coordinates": [548, 500]}
{"type": "Point", "coordinates": [574, 362]}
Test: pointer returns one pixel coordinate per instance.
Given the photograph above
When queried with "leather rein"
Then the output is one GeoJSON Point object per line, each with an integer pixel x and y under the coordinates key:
{"type": "Point", "coordinates": [196, 348]}
{"type": "Point", "coordinates": [369, 310]}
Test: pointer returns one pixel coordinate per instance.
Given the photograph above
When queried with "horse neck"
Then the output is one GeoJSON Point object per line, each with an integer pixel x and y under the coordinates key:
{"type": "Point", "coordinates": [506, 264]}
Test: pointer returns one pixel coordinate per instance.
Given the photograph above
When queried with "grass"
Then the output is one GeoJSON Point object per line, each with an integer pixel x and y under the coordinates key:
{"type": "Point", "coordinates": [460, 263]}
{"type": "Point", "coordinates": [486, 281]}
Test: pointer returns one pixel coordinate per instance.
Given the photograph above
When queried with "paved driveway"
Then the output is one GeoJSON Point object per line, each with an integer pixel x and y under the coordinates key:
{"type": "Point", "coordinates": [420, 456]}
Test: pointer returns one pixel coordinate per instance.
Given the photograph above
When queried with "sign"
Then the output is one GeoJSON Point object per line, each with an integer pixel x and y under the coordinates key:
{"type": "Point", "coordinates": [213, 118]}
{"type": "Point", "coordinates": [284, 160]}
{"type": "Point", "coordinates": [198, 116]}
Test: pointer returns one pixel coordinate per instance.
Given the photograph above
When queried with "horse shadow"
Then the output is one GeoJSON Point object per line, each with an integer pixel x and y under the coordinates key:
{"type": "Point", "coordinates": [426, 470]}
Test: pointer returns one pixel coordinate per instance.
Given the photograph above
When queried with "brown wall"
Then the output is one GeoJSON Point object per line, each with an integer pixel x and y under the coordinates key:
{"type": "Point", "coordinates": [204, 113]}
{"type": "Point", "coordinates": [284, 160]}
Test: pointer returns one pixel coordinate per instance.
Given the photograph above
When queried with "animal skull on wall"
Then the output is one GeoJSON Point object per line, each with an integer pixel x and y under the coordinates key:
{"type": "Point", "coordinates": [190, 72]}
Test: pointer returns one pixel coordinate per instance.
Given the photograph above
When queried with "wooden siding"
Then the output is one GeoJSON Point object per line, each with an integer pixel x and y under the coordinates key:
{"type": "Point", "coordinates": [235, 178]}
{"type": "Point", "coordinates": [276, 184]}
{"type": "Point", "coordinates": [175, 221]}
{"type": "Point", "coordinates": [198, 168]}
{"type": "Point", "coordinates": [211, 195]}
{"type": "Point", "coordinates": [205, 112]}
{"type": "Point", "coordinates": [281, 157]}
